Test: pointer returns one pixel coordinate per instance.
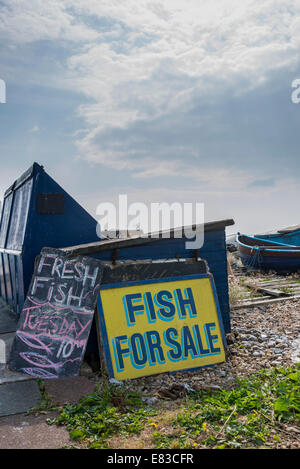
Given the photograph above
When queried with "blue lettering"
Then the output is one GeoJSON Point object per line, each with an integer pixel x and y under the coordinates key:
{"type": "Point", "coordinates": [154, 349]}
{"type": "Point", "coordinates": [167, 313]}
{"type": "Point", "coordinates": [119, 352]}
{"type": "Point", "coordinates": [175, 354]}
{"type": "Point", "coordinates": [139, 354]}
{"type": "Point", "coordinates": [186, 303]}
{"type": "Point", "coordinates": [130, 309]}
{"type": "Point", "coordinates": [149, 307]}
{"type": "Point", "coordinates": [211, 338]}
{"type": "Point", "coordinates": [188, 345]}
{"type": "Point", "coordinates": [197, 335]}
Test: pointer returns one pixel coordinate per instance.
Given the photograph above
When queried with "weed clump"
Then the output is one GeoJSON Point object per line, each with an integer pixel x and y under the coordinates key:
{"type": "Point", "coordinates": [106, 412]}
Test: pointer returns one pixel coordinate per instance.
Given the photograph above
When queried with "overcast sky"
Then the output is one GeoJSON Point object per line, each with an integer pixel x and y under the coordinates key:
{"type": "Point", "coordinates": [166, 101]}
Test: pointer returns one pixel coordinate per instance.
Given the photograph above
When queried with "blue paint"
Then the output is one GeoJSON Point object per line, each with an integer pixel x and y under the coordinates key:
{"type": "Point", "coordinates": [292, 238]}
{"type": "Point", "coordinates": [213, 251]}
{"type": "Point", "coordinates": [175, 353]}
{"type": "Point", "coordinates": [130, 309]}
{"type": "Point", "coordinates": [24, 231]}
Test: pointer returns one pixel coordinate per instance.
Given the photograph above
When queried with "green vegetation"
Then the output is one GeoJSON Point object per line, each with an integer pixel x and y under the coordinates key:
{"type": "Point", "coordinates": [99, 416]}
{"type": "Point", "coordinates": [250, 415]}
{"type": "Point", "coordinates": [286, 290]}
{"type": "Point", "coordinates": [255, 413]}
{"type": "Point", "coordinates": [237, 292]}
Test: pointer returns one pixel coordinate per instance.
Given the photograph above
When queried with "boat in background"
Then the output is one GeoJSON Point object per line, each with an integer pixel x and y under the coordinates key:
{"type": "Point", "coordinates": [265, 254]}
{"type": "Point", "coordinates": [289, 235]}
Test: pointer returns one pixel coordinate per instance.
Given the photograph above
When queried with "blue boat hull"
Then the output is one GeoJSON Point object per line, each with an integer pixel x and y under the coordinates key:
{"type": "Point", "coordinates": [276, 264]}
{"type": "Point", "coordinates": [257, 254]}
{"type": "Point", "coordinates": [285, 238]}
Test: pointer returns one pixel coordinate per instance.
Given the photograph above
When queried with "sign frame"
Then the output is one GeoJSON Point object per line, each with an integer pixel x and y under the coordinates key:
{"type": "Point", "coordinates": [103, 329]}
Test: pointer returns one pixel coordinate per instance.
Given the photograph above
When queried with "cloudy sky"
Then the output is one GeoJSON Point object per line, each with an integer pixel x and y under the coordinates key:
{"type": "Point", "coordinates": [166, 101]}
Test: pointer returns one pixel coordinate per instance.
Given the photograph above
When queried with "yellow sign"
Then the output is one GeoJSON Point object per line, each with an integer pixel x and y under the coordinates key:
{"type": "Point", "coordinates": [158, 326]}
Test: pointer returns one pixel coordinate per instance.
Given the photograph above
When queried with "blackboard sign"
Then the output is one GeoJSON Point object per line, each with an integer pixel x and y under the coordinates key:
{"type": "Point", "coordinates": [55, 322]}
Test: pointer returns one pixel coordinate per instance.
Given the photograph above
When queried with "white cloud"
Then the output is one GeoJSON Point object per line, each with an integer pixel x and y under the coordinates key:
{"type": "Point", "coordinates": [35, 128]}
{"type": "Point", "coordinates": [138, 61]}
{"type": "Point", "coordinates": [190, 47]}
{"type": "Point", "coordinates": [22, 21]}
{"type": "Point", "coordinates": [133, 48]}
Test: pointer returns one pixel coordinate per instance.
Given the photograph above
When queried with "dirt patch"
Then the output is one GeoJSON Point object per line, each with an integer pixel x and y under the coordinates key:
{"type": "Point", "coordinates": [31, 432]}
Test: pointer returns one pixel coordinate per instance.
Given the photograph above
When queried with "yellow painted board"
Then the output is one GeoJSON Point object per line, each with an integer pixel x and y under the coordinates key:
{"type": "Point", "coordinates": [161, 326]}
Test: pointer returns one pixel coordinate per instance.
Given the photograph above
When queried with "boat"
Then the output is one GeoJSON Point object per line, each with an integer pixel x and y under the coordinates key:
{"type": "Point", "coordinates": [267, 255]}
{"type": "Point", "coordinates": [289, 235]}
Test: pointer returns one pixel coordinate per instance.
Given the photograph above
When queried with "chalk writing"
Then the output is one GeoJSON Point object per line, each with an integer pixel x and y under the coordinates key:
{"type": "Point", "coordinates": [55, 322]}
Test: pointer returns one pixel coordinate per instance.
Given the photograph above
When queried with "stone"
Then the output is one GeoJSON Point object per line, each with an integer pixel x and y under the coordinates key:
{"type": "Point", "coordinates": [18, 397]}
{"type": "Point", "coordinates": [263, 337]}
{"type": "Point", "coordinates": [6, 341]}
{"type": "Point", "coordinates": [116, 382]}
{"type": "Point", "coordinates": [8, 376]}
{"type": "Point", "coordinates": [86, 370]}
{"type": "Point", "coordinates": [150, 400]}
{"type": "Point", "coordinates": [68, 390]}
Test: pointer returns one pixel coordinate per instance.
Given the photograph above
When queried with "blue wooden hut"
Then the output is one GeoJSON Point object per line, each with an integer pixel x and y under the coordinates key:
{"type": "Point", "coordinates": [171, 248]}
{"type": "Point", "coordinates": [36, 212]}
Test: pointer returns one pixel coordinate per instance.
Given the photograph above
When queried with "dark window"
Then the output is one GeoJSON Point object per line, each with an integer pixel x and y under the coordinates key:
{"type": "Point", "coordinates": [50, 204]}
